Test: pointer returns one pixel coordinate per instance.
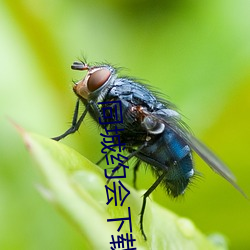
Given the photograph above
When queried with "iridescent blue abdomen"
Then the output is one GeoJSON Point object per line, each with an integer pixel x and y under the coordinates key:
{"type": "Point", "coordinates": [170, 154]}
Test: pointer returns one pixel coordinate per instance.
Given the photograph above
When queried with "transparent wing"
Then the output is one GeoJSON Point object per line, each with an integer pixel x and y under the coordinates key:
{"type": "Point", "coordinates": [175, 124]}
{"type": "Point", "coordinates": [207, 155]}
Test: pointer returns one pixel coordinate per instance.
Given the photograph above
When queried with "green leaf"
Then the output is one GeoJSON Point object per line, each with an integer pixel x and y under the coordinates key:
{"type": "Point", "coordinates": [76, 187]}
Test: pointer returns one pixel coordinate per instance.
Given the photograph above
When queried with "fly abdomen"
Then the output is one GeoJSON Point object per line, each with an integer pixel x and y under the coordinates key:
{"type": "Point", "coordinates": [180, 166]}
{"type": "Point", "coordinates": [178, 176]}
{"type": "Point", "coordinates": [178, 148]}
{"type": "Point", "coordinates": [171, 155]}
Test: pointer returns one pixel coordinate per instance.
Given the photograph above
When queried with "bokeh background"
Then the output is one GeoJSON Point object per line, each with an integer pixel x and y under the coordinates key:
{"type": "Point", "coordinates": [196, 52]}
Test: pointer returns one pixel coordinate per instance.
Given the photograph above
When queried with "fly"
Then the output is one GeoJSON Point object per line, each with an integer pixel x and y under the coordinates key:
{"type": "Point", "coordinates": [153, 130]}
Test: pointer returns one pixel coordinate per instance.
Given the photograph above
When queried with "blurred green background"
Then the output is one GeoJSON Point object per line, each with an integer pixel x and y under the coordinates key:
{"type": "Point", "coordinates": [196, 53]}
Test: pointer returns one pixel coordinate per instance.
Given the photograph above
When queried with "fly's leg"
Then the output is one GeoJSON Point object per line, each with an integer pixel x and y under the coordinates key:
{"type": "Point", "coordinates": [75, 123]}
{"type": "Point", "coordinates": [118, 166]}
{"type": "Point", "coordinates": [97, 163]}
{"type": "Point", "coordinates": [145, 196]}
{"type": "Point", "coordinates": [103, 158]}
{"type": "Point", "coordinates": [136, 167]}
{"type": "Point", "coordinates": [97, 112]}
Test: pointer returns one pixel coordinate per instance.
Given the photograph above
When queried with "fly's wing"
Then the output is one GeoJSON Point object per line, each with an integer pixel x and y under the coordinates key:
{"type": "Point", "coordinates": [175, 124]}
{"type": "Point", "coordinates": [212, 160]}
{"type": "Point", "coordinates": [208, 156]}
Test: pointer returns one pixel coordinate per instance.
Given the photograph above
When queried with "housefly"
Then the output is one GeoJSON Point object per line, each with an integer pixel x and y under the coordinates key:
{"type": "Point", "coordinates": [152, 129]}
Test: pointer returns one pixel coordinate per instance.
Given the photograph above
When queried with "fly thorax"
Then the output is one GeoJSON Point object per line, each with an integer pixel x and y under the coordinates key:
{"type": "Point", "coordinates": [168, 113]}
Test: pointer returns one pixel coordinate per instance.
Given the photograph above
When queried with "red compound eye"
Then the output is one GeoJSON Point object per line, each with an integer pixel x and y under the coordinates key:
{"type": "Point", "coordinates": [97, 79]}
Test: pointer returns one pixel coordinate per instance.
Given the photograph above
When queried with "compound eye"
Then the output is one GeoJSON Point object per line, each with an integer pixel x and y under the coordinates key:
{"type": "Point", "coordinates": [97, 79]}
